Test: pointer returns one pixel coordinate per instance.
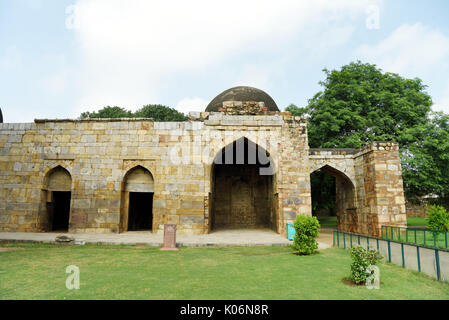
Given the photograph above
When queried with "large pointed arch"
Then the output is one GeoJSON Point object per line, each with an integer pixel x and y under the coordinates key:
{"type": "Point", "coordinates": [345, 198]}
{"type": "Point", "coordinates": [242, 187]}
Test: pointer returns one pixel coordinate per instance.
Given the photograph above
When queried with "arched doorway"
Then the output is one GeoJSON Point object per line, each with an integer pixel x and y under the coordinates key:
{"type": "Point", "coordinates": [242, 188]}
{"type": "Point", "coordinates": [137, 200]}
{"type": "Point", "coordinates": [333, 198]}
{"type": "Point", "coordinates": [57, 193]}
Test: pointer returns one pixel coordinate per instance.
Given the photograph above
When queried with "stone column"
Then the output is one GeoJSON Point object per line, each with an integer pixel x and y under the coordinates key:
{"type": "Point", "coordinates": [293, 172]}
{"type": "Point", "coordinates": [383, 186]}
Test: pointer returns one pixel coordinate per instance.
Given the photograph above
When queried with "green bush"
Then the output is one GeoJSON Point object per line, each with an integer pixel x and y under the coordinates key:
{"type": "Point", "coordinates": [438, 218]}
{"type": "Point", "coordinates": [307, 230]}
{"type": "Point", "coordinates": [361, 260]}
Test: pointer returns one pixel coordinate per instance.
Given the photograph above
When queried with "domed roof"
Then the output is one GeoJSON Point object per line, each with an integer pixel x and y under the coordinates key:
{"type": "Point", "coordinates": [242, 94]}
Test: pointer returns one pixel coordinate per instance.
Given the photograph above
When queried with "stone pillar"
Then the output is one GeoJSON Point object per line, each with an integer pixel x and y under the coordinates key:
{"type": "Point", "coordinates": [293, 172]}
{"type": "Point", "coordinates": [383, 186]}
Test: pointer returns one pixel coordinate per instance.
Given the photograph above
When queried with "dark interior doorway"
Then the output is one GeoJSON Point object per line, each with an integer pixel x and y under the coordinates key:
{"type": "Point", "coordinates": [333, 199]}
{"type": "Point", "coordinates": [61, 210]}
{"type": "Point", "coordinates": [242, 188]}
{"type": "Point", "coordinates": [323, 189]}
{"type": "Point", "coordinates": [140, 211]}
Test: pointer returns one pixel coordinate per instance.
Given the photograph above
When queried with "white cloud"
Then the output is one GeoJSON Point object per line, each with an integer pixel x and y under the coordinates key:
{"type": "Point", "coordinates": [256, 75]}
{"type": "Point", "coordinates": [442, 104]}
{"type": "Point", "coordinates": [413, 50]}
{"type": "Point", "coordinates": [128, 46]}
{"type": "Point", "coordinates": [191, 104]}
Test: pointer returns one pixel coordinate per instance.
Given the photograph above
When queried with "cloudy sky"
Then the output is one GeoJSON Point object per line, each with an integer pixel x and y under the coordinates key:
{"type": "Point", "coordinates": [59, 58]}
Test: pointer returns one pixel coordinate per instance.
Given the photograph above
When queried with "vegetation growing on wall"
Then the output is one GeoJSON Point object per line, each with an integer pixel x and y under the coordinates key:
{"type": "Point", "coordinates": [155, 111]}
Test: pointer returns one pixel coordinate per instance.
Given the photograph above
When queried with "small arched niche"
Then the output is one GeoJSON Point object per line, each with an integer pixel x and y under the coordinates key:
{"type": "Point", "coordinates": [137, 200]}
{"type": "Point", "coordinates": [57, 197]}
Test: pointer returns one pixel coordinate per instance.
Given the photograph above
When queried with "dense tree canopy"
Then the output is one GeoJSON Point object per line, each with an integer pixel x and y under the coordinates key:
{"type": "Point", "coordinates": [425, 159]}
{"type": "Point", "coordinates": [360, 103]}
{"type": "Point", "coordinates": [155, 111]}
{"type": "Point", "coordinates": [160, 113]}
{"type": "Point", "coordinates": [107, 112]}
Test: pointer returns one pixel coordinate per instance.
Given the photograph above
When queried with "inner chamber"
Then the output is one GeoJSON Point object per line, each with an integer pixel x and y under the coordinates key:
{"type": "Point", "coordinates": [242, 188]}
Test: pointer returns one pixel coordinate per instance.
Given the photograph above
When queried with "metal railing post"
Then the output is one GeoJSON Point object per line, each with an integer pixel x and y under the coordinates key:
{"type": "Point", "coordinates": [389, 251]}
{"type": "Point", "coordinates": [419, 260]}
{"type": "Point", "coordinates": [403, 258]}
{"type": "Point", "coordinates": [437, 262]}
{"type": "Point", "coordinates": [445, 239]}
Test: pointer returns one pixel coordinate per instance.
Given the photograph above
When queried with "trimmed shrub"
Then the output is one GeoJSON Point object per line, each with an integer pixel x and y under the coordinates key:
{"type": "Point", "coordinates": [307, 230]}
{"type": "Point", "coordinates": [361, 260]}
{"type": "Point", "coordinates": [438, 218]}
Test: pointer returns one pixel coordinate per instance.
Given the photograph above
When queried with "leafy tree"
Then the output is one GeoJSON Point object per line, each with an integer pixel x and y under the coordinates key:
{"type": "Point", "coordinates": [160, 113]}
{"type": "Point", "coordinates": [360, 103]}
{"type": "Point", "coordinates": [425, 160]}
{"type": "Point", "coordinates": [157, 112]}
{"type": "Point", "coordinates": [107, 112]}
{"type": "Point", "coordinates": [297, 111]}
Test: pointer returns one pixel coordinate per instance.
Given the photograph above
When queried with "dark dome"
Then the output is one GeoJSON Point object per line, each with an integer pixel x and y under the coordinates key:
{"type": "Point", "coordinates": [242, 94]}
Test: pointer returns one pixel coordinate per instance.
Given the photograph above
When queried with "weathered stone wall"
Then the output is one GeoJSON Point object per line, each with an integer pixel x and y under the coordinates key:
{"type": "Point", "coordinates": [380, 187]}
{"type": "Point", "coordinates": [415, 210]}
{"type": "Point", "coordinates": [242, 197]}
{"type": "Point", "coordinates": [243, 108]}
{"type": "Point", "coordinates": [293, 169]}
{"type": "Point", "coordinates": [99, 153]}
{"type": "Point", "coordinates": [369, 185]}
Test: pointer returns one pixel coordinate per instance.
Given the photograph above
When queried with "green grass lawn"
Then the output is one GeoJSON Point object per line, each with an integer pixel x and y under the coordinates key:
{"type": "Point", "coordinates": [328, 222]}
{"type": "Point", "coordinates": [331, 222]}
{"type": "Point", "coordinates": [418, 236]}
{"type": "Point", "coordinates": [37, 271]}
{"type": "Point", "coordinates": [416, 222]}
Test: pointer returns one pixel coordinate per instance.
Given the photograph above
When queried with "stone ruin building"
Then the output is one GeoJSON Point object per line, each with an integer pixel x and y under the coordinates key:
{"type": "Point", "coordinates": [240, 164]}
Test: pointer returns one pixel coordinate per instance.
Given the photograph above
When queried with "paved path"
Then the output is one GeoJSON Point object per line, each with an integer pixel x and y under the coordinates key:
{"type": "Point", "coordinates": [326, 236]}
{"type": "Point", "coordinates": [262, 237]}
